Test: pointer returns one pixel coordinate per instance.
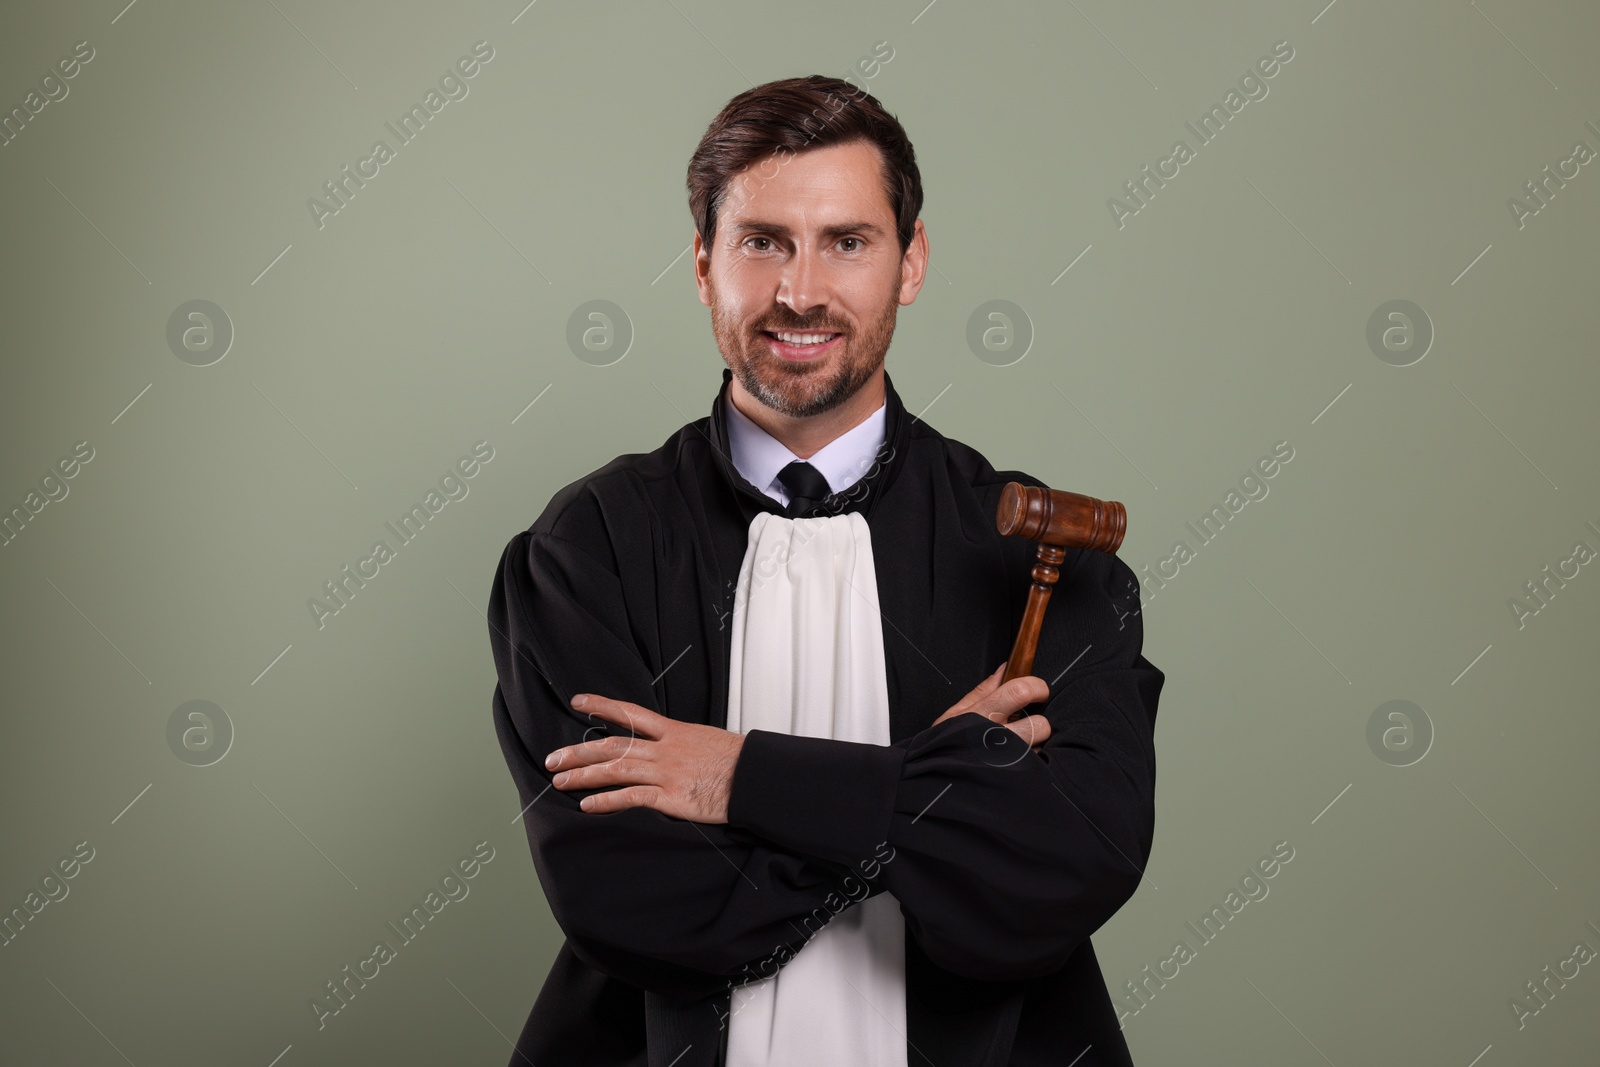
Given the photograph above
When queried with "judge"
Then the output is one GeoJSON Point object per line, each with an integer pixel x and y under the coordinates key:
{"type": "Point", "coordinates": [749, 682]}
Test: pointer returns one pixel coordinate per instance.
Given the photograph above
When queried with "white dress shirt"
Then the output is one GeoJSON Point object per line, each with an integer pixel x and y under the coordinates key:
{"type": "Point", "coordinates": [759, 456]}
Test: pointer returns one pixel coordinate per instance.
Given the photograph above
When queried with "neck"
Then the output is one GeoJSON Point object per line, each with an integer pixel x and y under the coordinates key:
{"type": "Point", "coordinates": [805, 436]}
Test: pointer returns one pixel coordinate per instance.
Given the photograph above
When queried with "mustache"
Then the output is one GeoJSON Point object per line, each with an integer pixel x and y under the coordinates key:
{"type": "Point", "coordinates": [803, 326]}
{"type": "Point", "coordinates": [800, 325]}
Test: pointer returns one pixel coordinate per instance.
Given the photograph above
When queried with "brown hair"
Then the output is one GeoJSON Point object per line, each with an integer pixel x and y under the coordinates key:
{"type": "Point", "coordinates": [790, 116]}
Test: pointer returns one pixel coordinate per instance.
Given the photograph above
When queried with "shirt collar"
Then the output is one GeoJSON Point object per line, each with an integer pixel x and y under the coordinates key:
{"type": "Point", "coordinates": [759, 456]}
{"type": "Point", "coordinates": [900, 438]}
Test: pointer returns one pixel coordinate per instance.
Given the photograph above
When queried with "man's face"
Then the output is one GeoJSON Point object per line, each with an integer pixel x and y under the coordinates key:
{"type": "Point", "coordinates": [805, 275]}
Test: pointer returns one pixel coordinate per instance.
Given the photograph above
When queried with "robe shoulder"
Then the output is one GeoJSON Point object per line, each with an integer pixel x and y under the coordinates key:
{"type": "Point", "coordinates": [976, 470]}
{"type": "Point", "coordinates": [587, 510]}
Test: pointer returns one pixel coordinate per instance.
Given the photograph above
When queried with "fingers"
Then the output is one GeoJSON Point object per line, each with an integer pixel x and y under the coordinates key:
{"type": "Point", "coordinates": [1012, 697]}
{"type": "Point", "coordinates": [974, 695]}
{"type": "Point", "coordinates": [1034, 729]}
{"type": "Point", "coordinates": [983, 688]}
{"type": "Point", "coordinates": [1031, 689]}
{"type": "Point", "coordinates": [597, 750]}
{"type": "Point", "coordinates": [988, 685]}
{"type": "Point", "coordinates": [600, 775]}
{"type": "Point", "coordinates": [638, 796]}
{"type": "Point", "coordinates": [641, 721]}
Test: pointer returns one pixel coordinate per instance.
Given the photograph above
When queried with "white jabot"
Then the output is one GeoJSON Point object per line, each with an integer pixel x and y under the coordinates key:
{"type": "Point", "coordinates": [807, 659]}
{"type": "Point", "coordinates": [759, 456]}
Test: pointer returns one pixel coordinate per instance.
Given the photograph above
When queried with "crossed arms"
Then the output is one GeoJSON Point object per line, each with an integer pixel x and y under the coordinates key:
{"type": "Point", "coordinates": [1003, 859]}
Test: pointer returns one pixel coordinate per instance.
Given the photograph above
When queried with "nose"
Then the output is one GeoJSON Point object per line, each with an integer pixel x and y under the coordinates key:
{"type": "Point", "coordinates": [802, 285]}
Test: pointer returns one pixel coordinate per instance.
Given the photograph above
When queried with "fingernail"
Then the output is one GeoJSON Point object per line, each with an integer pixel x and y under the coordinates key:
{"type": "Point", "coordinates": [551, 760]}
{"type": "Point", "coordinates": [579, 700]}
{"type": "Point", "coordinates": [560, 779]}
{"type": "Point", "coordinates": [584, 804]}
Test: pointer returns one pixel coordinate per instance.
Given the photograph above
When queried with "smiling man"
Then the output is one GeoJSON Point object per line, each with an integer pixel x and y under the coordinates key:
{"type": "Point", "coordinates": [775, 793]}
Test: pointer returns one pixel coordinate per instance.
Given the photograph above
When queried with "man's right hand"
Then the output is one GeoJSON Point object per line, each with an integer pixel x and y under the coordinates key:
{"type": "Point", "coordinates": [999, 702]}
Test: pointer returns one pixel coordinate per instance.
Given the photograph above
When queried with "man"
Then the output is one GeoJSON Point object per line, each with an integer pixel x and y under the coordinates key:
{"type": "Point", "coordinates": [748, 687]}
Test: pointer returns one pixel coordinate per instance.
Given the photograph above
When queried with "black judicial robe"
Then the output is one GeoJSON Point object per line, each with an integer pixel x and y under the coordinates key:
{"type": "Point", "coordinates": [1004, 861]}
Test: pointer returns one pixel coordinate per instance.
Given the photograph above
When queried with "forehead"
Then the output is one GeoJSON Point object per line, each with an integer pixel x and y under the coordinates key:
{"type": "Point", "coordinates": [814, 187]}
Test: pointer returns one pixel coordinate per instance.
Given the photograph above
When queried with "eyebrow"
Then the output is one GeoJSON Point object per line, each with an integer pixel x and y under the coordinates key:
{"type": "Point", "coordinates": [777, 229]}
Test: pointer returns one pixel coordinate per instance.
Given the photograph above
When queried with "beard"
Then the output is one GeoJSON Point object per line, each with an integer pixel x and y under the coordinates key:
{"type": "Point", "coordinates": [802, 389]}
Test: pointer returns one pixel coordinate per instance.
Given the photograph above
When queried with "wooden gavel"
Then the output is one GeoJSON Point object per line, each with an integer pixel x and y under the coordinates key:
{"type": "Point", "coordinates": [1058, 520]}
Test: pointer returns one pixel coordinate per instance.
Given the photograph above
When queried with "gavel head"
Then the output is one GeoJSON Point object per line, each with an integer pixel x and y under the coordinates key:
{"type": "Point", "coordinates": [1057, 517]}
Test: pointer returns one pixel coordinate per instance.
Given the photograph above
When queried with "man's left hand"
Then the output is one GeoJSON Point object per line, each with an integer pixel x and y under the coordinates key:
{"type": "Point", "coordinates": [682, 769]}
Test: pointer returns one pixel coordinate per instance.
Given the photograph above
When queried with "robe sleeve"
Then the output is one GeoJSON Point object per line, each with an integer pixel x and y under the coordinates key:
{"type": "Point", "coordinates": [670, 906]}
{"type": "Point", "coordinates": [1004, 860]}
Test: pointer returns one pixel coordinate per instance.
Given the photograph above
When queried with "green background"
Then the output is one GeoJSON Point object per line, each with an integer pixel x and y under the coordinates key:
{"type": "Point", "coordinates": [370, 354]}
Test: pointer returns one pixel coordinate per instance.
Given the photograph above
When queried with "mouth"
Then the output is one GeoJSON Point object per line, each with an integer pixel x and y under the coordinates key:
{"type": "Point", "coordinates": [801, 346]}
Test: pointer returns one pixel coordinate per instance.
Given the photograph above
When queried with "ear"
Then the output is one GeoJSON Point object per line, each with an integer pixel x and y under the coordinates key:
{"type": "Point", "coordinates": [914, 265]}
{"type": "Point", "coordinates": [702, 269]}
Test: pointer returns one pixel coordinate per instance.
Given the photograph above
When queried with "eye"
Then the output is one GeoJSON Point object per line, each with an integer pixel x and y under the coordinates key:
{"type": "Point", "coordinates": [768, 240]}
{"type": "Point", "coordinates": [857, 240]}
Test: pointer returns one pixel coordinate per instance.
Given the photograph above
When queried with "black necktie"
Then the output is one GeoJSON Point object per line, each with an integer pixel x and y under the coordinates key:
{"type": "Point", "coordinates": [806, 487]}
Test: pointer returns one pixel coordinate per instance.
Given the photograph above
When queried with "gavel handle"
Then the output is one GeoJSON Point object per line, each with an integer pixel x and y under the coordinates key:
{"type": "Point", "coordinates": [1045, 573]}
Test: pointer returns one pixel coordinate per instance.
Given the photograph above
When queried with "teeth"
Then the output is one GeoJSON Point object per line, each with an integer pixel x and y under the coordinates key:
{"type": "Point", "coordinates": [802, 338]}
